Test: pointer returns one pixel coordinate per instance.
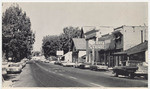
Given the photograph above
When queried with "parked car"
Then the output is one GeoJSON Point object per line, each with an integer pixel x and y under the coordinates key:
{"type": "Point", "coordinates": [132, 71]}
{"type": "Point", "coordinates": [14, 68]}
{"type": "Point", "coordinates": [77, 65]}
{"type": "Point", "coordinates": [52, 62]}
{"type": "Point", "coordinates": [4, 71]}
{"type": "Point", "coordinates": [46, 61]}
{"type": "Point", "coordinates": [23, 63]}
{"type": "Point", "coordinates": [4, 68]}
{"type": "Point", "coordinates": [68, 64]}
{"type": "Point", "coordinates": [142, 70]}
{"type": "Point", "coordinates": [98, 66]}
{"type": "Point", "coordinates": [36, 58]}
{"type": "Point", "coordinates": [62, 63]}
{"type": "Point", "coordinates": [85, 65]}
{"type": "Point", "coordinates": [57, 63]}
{"type": "Point", "coordinates": [25, 60]}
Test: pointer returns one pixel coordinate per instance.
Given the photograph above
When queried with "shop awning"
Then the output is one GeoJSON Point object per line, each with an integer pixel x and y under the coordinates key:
{"type": "Point", "coordinates": [136, 49]}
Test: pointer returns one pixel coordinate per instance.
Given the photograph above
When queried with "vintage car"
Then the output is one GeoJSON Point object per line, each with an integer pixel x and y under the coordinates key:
{"type": "Point", "coordinates": [85, 65]}
{"type": "Point", "coordinates": [22, 63]}
{"type": "Point", "coordinates": [68, 64]}
{"type": "Point", "coordinates": [131, 71]}
{"type": "Point", "coordinates": [46, 61]}
{"type": "Point", "coordinates": [14, 68]}
{"type": "Point", "coordinates": [4, 68]}
{"type": "Point", "coordinates": [142, 70]}
{"type": "Point", "coordinates": [124, 70]}
{"type": "Point", "coordinates": [57, 63]}
{"type": "Point", "coordinates": [62, 62]}
{"type": "Point", "coordinates": [77, 65]}
{"type": "Point", "coordinates": [52, 62]}
{"type": "Point", "coordinates": [4, 71]}
{"type": "Point", "coordinates": [98, 66]}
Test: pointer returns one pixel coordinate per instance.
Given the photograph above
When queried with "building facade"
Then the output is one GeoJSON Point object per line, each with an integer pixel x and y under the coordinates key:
{"type": "Point", "coordinates": [127, 39]}
{"type": "Point", "coordinates": [114, 45]}
{"type": "Point", "coordinates": [79, 49]}
{"type": "Point", "coordinates": [94, 46]}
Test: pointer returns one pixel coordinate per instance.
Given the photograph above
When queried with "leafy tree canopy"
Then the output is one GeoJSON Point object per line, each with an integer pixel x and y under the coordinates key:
{"type": "Point", "coordinates": [62, 42]}
{"type": "Point", "coordinates": [17, 35]}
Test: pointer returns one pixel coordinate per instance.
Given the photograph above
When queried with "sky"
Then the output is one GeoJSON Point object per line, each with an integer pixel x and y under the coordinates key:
{"type": "Point", "coordinates": [50, 18]}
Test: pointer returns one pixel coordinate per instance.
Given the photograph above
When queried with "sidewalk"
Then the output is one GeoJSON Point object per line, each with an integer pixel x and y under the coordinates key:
{"type": "Point", "coordinates": [24, 79]}
{"type": "Point", "coordinates": [6, 83]}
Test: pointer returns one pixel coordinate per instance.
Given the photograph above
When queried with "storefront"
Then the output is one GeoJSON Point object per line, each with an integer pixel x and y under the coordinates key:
{"type": "Point", "coordinates": [105, 55]}
{"type": "Point", "coordinates": [136, 53]}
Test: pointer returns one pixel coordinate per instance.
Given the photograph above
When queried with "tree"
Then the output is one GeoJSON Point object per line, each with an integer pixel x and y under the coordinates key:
{"type": "Point", "coordinates": [17, 36]}
{"type": "Point", "coordinates": [51, 44]}
{"type": "Point", "coordinates": [69, 33]}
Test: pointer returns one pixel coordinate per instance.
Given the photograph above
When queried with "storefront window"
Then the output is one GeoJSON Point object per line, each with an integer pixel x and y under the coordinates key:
{"type": "Point", "coordinates": [138, 56]}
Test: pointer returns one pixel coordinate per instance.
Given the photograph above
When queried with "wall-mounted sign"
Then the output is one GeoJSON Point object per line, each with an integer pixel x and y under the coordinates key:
{"type": "Point", "coordinates": [98, 45]}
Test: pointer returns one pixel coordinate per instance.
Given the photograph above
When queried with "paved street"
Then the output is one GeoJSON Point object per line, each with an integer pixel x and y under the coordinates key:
{"type": "Point", "coordinates": [39, 74]}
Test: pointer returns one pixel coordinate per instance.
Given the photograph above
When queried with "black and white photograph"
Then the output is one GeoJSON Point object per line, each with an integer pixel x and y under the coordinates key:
{"type": "Point", "coordinates": [74, 44]}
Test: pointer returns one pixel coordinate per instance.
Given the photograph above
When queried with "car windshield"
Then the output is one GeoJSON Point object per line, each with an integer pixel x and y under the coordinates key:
{"type": "Point", "coordinates": [14, 65]}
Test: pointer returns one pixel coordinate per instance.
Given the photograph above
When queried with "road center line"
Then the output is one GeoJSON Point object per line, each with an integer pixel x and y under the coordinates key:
{"type": "Point", "coordinates": [72, 77]}
{"type": "Point", "coordinates": [96, 84]}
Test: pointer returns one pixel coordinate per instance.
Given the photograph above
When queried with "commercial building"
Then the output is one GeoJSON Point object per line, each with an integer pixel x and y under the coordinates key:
{"type": "Point", "coordinates": [113, 48]}
{"type": "Point", "coordinates": [93, 46]}
{"type": "Point", "coordinates": [127, 39]}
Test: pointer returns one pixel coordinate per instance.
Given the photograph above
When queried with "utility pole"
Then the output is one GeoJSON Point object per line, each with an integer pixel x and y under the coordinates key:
{"type": "Point", "coordinates": [145, 32]}
{"type": "Point", "coordinates": [69, 41]}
